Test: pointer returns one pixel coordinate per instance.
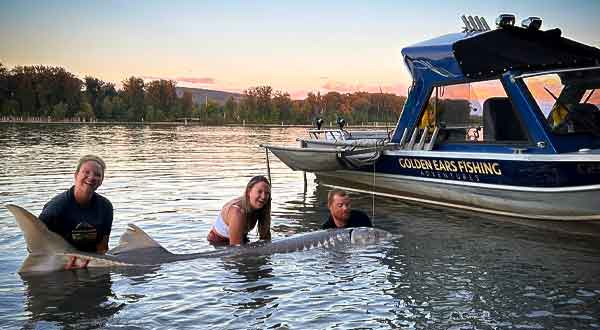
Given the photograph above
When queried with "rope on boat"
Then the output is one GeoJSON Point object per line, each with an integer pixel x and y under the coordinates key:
{"type": "Point", "coordinates": [373, 194]}
{"type": "Point", "coordinates": [268, 166]}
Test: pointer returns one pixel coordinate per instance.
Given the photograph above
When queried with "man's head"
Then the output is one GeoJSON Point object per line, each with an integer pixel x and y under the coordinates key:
{"type": "Point", "coordinates": [338, 202]}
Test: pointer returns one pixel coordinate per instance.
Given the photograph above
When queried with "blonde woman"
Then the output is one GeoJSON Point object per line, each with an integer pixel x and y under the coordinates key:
{"type": "Point", "coordinates": [80, 215]}
{"type": "Point", "coordinates": [240, 215]}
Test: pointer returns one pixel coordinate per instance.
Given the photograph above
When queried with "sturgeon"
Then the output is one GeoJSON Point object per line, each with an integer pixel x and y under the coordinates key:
{"type": "Point", "coordinates": [49, 252]}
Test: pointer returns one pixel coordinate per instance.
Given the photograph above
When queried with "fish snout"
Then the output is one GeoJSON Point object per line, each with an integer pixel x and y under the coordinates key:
{"type": "Point", "coordinates": [365, 235]}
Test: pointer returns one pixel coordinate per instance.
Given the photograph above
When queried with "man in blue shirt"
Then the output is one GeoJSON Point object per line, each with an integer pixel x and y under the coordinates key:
{"type": "Point", "coordinates": [341, 214]}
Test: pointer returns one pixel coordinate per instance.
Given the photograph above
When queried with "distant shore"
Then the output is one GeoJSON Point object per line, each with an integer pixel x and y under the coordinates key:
{"type": "Point", "coordinates": [177, 123]}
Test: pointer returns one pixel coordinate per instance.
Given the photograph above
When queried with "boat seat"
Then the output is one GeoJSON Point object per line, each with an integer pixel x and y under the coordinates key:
{"type": "Point", "coordinates": [500, 121]}
{"type": "Point", "coordinates": [585, 117]}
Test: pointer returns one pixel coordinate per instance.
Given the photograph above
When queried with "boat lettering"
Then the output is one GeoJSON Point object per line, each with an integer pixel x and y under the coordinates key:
{"type": "Point", "coordinates": [454, 176]}
{"type": "Point", "coordinates": [588, 169]}
{"type": "Point", "coordinates": [444, 165]}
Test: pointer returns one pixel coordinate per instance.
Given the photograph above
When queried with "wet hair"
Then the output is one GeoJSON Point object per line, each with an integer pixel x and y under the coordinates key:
{"type": "Point", "coordinates": [263, 215]}
{"type": "Point", "coordinates": [92, 158]}
{"type": "Point", "coordinates": [333, 193]}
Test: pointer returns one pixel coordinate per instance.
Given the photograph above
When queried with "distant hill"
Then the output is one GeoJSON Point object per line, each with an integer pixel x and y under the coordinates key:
{"type": "Point", "coordinates": [200, 95]}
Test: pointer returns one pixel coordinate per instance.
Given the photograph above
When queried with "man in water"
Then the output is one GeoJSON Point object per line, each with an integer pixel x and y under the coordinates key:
{"type": "Point", "coordinates": [341, 214]}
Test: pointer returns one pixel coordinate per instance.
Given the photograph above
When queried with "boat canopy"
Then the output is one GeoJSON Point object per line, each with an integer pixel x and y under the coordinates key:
{"type": "Point", "coordinates": [483, 55]}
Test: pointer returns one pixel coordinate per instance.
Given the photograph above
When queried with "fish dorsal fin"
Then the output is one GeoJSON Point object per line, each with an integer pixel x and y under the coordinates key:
{"type": "Point", "coordinates": [132, 239]}
{"type": "Point", "coordinates": [39, 239]}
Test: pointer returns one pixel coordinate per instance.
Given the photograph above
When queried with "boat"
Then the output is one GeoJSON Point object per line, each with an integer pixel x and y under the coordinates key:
{"type": "Point", "coordinates": [343, 138]}
{"type": "Point", "coordinates": [502, 121]}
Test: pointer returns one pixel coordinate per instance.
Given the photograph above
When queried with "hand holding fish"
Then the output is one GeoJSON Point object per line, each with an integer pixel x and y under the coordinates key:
{"type": "Point", "coordinates": [76, 263]}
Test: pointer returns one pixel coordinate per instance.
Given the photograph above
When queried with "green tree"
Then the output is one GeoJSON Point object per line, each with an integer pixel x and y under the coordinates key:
{"type": "Point", "coordinates": [230, 111]}
{"type": "Point", "coordinates": [9, 108]}
{"type": "Point", "coordinates": [24, 90]}
{"type": "Point", "coordinates": [187, 104]}
{"type": "Point", "coordinates": [132, 95]}
{"type": "Point", "coordinates": [58, 111]}
{"type": "Point", "coordinates": [96, 91]}
{"type": "Point", "coordinates": [161, 94]}
{"type": "Point", "coordinates": [258, 106]}
{"type": "Point", "coordinates": [248, 107]}
{"type": "Point", "coordinates": [4, 90]}
{"type": "Point", "coordinates": [119, 108]}
{"type": "Point", "coordinates": [85, 112]}
{"type": "Point", "coordinates": [107, 108]}
{"type": "Point", "coordinates": [282, 103]}
{"type": "Point", "coordinates": [331, 104]}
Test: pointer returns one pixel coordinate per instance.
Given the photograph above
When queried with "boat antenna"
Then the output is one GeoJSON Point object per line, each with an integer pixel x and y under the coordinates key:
{"type": "Point", "coordinates": [556, 99]}
{"type": "Point", "coordinates": [474, 24]}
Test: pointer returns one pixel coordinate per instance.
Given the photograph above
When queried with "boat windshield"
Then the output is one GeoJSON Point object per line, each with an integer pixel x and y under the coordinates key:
{"type": "Point", "coordinates": [569, 101]}
{"type": "Point", "coordinates": [473, 113]}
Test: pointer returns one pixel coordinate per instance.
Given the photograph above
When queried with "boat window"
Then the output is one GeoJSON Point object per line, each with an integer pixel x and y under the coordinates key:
{"type": "Point", "coordinates": [569, 102]}
{"type": "Point", "coordinates": [479, 112]}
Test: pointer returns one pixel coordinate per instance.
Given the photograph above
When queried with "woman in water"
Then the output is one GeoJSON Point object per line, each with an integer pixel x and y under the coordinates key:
{"type": "Point", "coordinates": [80, 215]}
{"type": "Point", "coordinates": [240, 215]}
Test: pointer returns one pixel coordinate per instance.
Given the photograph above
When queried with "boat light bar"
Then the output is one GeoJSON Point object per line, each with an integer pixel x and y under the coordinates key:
{"type": "Point", "coordinates": [474, 24]}
{"type": "Point", "coordinates": [505, 20]}
{"type": "Point", "coordinates": [533, 23]}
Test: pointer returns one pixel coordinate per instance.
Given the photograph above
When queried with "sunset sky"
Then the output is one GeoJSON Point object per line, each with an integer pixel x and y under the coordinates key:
{"type": "Point", "coordinates": [296, 47]}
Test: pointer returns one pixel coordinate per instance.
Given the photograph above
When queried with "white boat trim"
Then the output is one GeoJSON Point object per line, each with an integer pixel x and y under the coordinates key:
{"type": "Point", "coordinates": [591, 156]}
{"type": "Point", "coordinates": [487, 185]}
{"type": "Point", "coordinates": [541, 73]}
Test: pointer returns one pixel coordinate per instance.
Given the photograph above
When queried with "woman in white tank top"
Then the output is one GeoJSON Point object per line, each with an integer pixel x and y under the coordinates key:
{"type": "Point", "coordinates": [240, 215]}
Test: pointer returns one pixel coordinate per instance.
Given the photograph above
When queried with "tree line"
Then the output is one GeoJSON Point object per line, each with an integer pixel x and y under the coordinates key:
{"type": "Point", "coordinates": [52, 93]}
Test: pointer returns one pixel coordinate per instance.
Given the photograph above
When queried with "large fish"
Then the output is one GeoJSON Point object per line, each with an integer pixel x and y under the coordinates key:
{"type": "Point", "coordinates": [50, 252]}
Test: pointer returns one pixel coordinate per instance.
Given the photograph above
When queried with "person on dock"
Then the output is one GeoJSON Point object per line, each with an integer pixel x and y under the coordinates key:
{"type": "Point", "coordinates": [240, 215]}
{"type": "Point", "coordinates": [80, 215]}
{"type": "Point", "coordinates": [341, 213]}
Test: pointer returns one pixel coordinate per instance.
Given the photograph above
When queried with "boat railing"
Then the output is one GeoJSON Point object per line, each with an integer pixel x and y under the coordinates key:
{"type": "Point", "coordinates": [422, 144]}
{"type": "Point", "coordinates": [329, 134]}
{"type": "Point", "coordinates": [343, 135]}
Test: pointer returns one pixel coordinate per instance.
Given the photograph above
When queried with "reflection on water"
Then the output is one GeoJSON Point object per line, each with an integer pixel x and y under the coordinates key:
{"type": "Point", "coordinates": [450, 270]}
{"type": "Point", "coordinates": [82, 297]}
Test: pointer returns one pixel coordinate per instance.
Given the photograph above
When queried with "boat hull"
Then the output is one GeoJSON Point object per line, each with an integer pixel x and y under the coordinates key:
{"type": "Point", "coordinates": [324, 159]}
{"type": "Point", "coordinates": [540, 203]}
{"type": "Point", "coordinates": [307, 159]}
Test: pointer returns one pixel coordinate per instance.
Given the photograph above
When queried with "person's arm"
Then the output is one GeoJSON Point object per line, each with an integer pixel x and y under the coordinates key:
{"type": "Point", "coordinates": [237, 225]}
{"type": "Point", "coordinates": [102, 246]}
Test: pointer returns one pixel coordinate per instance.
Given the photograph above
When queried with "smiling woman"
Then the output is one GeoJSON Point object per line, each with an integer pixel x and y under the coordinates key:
{"type": "Point", "coordinates": [242, 214]}
{"type": "Point", "coordinates": [80, 215]}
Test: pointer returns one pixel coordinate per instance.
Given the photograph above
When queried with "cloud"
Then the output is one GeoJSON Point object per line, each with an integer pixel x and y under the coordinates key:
{"type": "Point", "coordinates": [196, 80]}
{"type": "Point", "coordinates": [188, 80]}
{"type": "Point", "coordinates": [337, 86]}
{"type": "Point", "coordinates": [154, 78]}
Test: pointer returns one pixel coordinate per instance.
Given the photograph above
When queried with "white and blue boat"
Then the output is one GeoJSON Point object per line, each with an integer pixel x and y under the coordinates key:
{"type": "Point", "coordinates": [503, 121]}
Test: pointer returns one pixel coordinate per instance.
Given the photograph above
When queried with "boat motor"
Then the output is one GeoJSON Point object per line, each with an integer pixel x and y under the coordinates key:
{"type": "Point", "coordinates": [319, 122]}
{"type": "Point", "coordinates": [340, 122]}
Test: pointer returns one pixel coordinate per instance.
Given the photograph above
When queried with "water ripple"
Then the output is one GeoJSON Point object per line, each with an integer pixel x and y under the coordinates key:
{"type": "Point", "coordinates": [450, 270]}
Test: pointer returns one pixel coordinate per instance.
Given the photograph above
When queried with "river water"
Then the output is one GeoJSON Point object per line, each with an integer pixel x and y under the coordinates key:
{"type": "Point", "coordinates": [450, 270]}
